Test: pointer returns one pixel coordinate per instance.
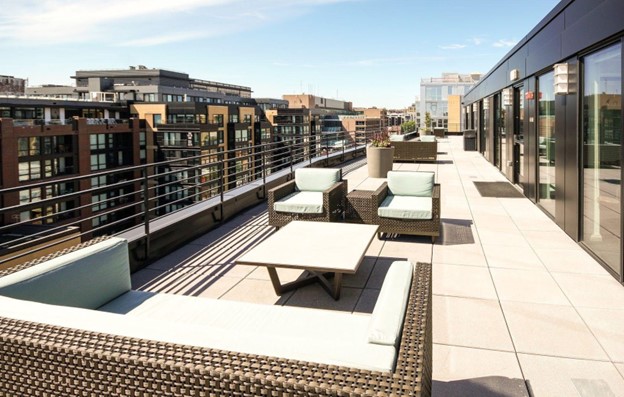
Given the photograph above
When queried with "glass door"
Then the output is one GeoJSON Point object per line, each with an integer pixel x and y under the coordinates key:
{"type": "Point", "coordinates": [499, 133]}
{"type": "Point", "coordinates": [518, 135]}
{"type": "Point", "coordinates": [602, 153]}
{"type": "Point", "coordinates": [546, 142]}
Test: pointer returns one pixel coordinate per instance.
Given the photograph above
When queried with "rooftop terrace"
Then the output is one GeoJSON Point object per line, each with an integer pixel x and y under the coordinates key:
{"type": "Point", "coordinates": [519, 308]}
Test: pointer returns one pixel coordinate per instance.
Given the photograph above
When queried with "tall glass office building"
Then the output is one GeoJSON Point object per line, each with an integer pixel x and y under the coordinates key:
{"type": "Point", "coordinates": [549, 116]}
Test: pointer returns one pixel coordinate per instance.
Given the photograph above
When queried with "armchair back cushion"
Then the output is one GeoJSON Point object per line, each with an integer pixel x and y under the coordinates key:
{"type": "Point", "coordinates": [411, 183]}
{"type": "Point", "coordinates": [86, 278]}
{"type": "Point", "coordinates": [316, 179]}
{"type": "Point", "coordinates": [385, 324]}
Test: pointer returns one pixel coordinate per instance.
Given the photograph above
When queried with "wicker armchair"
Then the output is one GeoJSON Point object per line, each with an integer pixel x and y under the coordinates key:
{"type": "Point", "coordinates": [333, 197]}
{"type": "Point", "coordinates": [422, 227]}
{"type": "Point", "coordinates": [43, 359]}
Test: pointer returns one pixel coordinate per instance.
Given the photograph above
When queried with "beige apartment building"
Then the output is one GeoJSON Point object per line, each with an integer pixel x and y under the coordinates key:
{"type": "Point", "coordinates": [454, 114]}
{"type": "Point", "coordinates": [306, 101]}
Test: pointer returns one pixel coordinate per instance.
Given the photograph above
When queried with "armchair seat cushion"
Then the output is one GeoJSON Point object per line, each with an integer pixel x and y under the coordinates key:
{"type": "Point", "coordinates": [406, 207]}
{"type": "Point", "coordinates": [301, 203]}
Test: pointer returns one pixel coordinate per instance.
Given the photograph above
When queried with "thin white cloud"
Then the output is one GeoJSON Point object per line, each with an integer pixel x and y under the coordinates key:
{"type": "Point", "coordinates": [476, 40]}
{"type": "Point", "coordinates": [504, 43]}
{"type": "Point", "coordinates": [139, 22]}
{"type": "Point", "coordinates": [453, 46]}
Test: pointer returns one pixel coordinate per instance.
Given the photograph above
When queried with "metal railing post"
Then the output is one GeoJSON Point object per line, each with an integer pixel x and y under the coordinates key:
{"type": "Point", "coordinates": [264, 172]}
{"type": "Point", "coordinates": [146, 224]}
{"type": "Point", "coordinates": [221, 183]}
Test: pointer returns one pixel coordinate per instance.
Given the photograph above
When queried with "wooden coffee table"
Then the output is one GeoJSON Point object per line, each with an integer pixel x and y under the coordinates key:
{"type": "Point", "coordinates": [324, 249]}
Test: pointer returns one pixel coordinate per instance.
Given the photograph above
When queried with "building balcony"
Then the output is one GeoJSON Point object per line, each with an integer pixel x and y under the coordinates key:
{"type": "Point", "coordinates": [519, 308]}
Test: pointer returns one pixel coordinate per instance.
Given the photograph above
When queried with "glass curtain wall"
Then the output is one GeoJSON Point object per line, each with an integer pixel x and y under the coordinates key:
{"type": "Point", "coordinates": [485, 124]}
{"type": "Point", "coordinates": [519, 135]}
{"type": "Point", "coordinates": [501, 141]}
{"type": "Point", "coordinates": [602, 173]}
{"type": "Point", "coordinates": [497, 138]}
{"type": "Point", "coordinates": [546, 142]}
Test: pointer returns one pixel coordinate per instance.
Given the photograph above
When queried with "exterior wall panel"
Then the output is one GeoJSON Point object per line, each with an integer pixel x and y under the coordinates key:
{"type": "Point", "coordinates": [571, 194]}
{"type": "Point", "coordinates": [590, 22]}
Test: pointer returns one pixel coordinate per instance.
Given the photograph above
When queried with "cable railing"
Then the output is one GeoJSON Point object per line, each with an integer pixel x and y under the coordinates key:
{"type": "Point", "coordinates": [116, 200]}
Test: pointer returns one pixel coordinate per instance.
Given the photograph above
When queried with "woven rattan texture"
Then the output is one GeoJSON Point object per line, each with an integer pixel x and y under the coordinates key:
{"type": "Point", "coordinates": [333, 205]}
{"type": "Point", "coordinates": [51, 256]}
{"type": "Point", "coordinates": [415, 151]}
{"type": "Point", "coordinates": [359, 206]}
{"type": "Point", "coordinates": [421, 227]}
{"type": "Point", "coordinates": [44, 360]}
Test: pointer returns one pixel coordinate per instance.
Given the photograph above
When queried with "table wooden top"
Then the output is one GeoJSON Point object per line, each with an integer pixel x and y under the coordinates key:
{"type": "Point", "coordinates": [319, 246]}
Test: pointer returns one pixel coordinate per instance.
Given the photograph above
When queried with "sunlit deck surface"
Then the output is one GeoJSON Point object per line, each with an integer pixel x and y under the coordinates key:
{"type": "Point", "coordinates": [517, 306]}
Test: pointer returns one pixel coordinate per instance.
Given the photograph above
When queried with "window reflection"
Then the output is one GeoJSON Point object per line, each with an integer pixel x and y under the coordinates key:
{"type": "Point", "coordinates": [602, 176]}
{"type": "Point", "coordinates": [546, 142]}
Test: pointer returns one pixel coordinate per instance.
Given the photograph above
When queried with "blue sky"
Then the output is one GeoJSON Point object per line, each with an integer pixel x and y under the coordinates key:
{"type": "Point", "coordinates": [369, 52]}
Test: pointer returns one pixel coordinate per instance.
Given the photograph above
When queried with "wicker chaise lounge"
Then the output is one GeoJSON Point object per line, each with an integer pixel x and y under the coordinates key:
{"type": "Point", "coordinates": [408, 203]}
{"type": "Point", "coordinates": [40, 357]}
{"type": "Point", "coordinates": [316, 194]}
{"type": "Point", "coordinates": [424, 148]}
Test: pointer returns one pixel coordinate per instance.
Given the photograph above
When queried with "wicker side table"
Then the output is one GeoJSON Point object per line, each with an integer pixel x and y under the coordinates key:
{"type": "Point", "coordinates": [359, 206]}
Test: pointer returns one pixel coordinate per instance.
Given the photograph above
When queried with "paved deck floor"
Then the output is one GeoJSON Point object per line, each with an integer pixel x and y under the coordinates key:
{"type": "Point", "coordinates": [519, 308]}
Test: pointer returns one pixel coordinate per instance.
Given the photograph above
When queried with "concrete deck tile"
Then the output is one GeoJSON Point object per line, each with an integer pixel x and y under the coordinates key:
{"type": "Point", "coordinates": [378, 274]}
{"type": "Point", "coordinates": [509, 238]}
{"type": "Point", "coordinates": [219, 287]}
{"type": "Point", "coordinates": [620, 368]}
{"type": "Point", "coordinates": [315, 296]}
{"type": "Point", "coordinates": [467, 372]}
{"type": "Point", "coordinates": [463, 254]}
{"type": "Point", "coordinates": [559, 309]}
{"type": "Point", "coordinates": [496, 223]}
{"type": "Point", "coordinates": [144, 276]}
{"type": "Point", "coordinates": [191, 281]}
{"type": "Point", "coordinates": [554, 376]}
{"type": "Point", "coordinates": [550, 239]}
{"type": "Point", "coordinates": [550, 330]}
{"type": "Point", "coordinates": [414, 248]}
{"type": "Point", "coordinates": [177, 258]}
{"type": "Point", "coordinates": [591, 290]}
{"type": "Point", "coordinates": [360, 278]}
{"type": "Point", "coordinates": [569, 261]}
{"type": "Point", "coordinates": [468, 322]}
{"type": "Point", "coordinates": [239, 271]}
{"type": "Point", "coordinates": [367, 300]}
{"type": "Point", "coordinates": [533, 286]}
{"type": "Point", "coordinates": [463, 281]}
{"type": "Point", "coordinates": [285, 275]}
{"type": "Point", "coordinates": [608, 327]}
{"type": "Point", "coordinates": [255, 291]}
{"type": "Point", "coordinates": [524, 224]}
{"type": "Point", "coordinates": [510, 257]}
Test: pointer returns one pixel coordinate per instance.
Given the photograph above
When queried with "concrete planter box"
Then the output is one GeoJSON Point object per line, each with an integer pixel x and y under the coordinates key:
{"type": "Point", "coordinates": [379, 161]}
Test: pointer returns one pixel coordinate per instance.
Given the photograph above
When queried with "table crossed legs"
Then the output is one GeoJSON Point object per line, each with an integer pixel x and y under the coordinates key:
{"type": "Point", "coordinates": [332, 288]}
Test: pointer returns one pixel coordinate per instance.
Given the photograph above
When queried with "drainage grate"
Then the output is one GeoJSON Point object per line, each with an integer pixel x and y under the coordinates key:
{"type": "Point", "coordinates": [457, 231]}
